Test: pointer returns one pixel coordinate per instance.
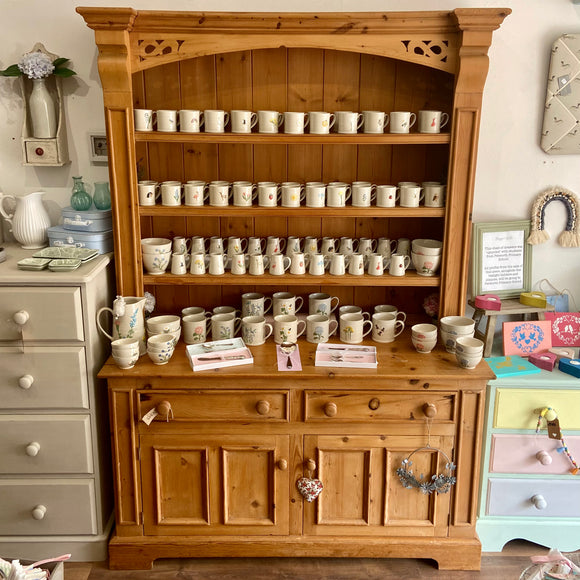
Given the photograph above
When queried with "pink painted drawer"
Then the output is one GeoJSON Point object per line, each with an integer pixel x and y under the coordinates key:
{"type": "Point", "coordinates": [517, 454]}
{"type": "Point", "coordinates": [533, 498]}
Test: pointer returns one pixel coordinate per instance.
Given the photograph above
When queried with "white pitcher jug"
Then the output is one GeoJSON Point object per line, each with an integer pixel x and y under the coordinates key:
{"type": "Point", "coordinates": [128, 320]}
{"type": "Point", "coordinates": [29, 221]}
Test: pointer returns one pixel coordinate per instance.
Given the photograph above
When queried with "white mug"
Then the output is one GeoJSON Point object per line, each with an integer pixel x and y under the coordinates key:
{"type": "Point", "coordinates": [322, 303]}
{"type": "Point", "coordinates": [287, 328]}
{"type": "Point", "coordinates": [286, 303]}
{"type": "Point", "coordinates": [391, 310]}
{"type": "Point", "coordinates": [292, 194]}
{"type": "Point", "coordinates": [348, 122]}
{"type": "Point", "coordinates": [255, 304]}
{"type": "Point", "coordinates": [338, 264]}
{"type": "Point", "coordinates": [244, 193]}
{"type": "Point", "coordinates": [321, 122]}
{"type": "Point", "coordinates": [198, 265]}
{"type": "Point", "coordinates": [226, 310]}
{"type": "Point", "coordinates": [149, 192]}
{"type": "Point", "coordinates": [269, 121]}
{"type": "Point", "coordinates": [238, 264]}
{"type": "Point", "coordinates": [318, 264]}
{"type": "Point", "coordinates": [268, 193]}
{"type": "Point", "coordinates": [337, 194]}
{"type": "Point", "coordinates": [352, 328]}
{"type": "Point", "coordinates": [434, 194]}
{"type": "Point", "coordinates": [298, 263]}
{"type": "Point", "coordinates": [166, 120]}
{"type": "Point", "coordinates": [190, 120]}
{"type": "Point", "coordinates": [319, 328]}
{"type": "Point", "coordinates": [386, 327]}
{"type": "Point", "coordinates": [257, 264]}
{"type": "Point", "coordinates": [255, 330]}
{"type": "Point", "coordinates": [243, 121]}
{"type": "Point", "coordinates": [432, 121]}
{"type": "Point", "coordinates": [398, 263]}
{"type": "Point", "coordinates": [315, 194]}
{"type": "Point", "coordinates": [144, 119]}
{"type": "Point", "coordinates": [219, 193]}
{"type": "Point", "coordinates": [356, 266]}
{"type": "Point", "coordinates": [387, 195]}
{"type": "Point", "coordinates": [411, 195]}
{"type": "Point", "coordinates": [352, 309]}
{"type": "Point", "coordinates": [295, 122]}
{"type": "Point", "coordinates": [374, 121]}
{"type": "Point", "coordinates": [401, 121]}
{"type": "Point", "coordinates": [179, 263]}
{"type": "Point", "coordinates": [171, 193]}
{"type": "Point", "coordinates": [224, 326]}
{"type": "Point", "coordinates": [217, 264]}
{"type": "Point", "coordinates": [376, 264]}
{"type": "Point", "coordinates": [215, 120]}
{"type": "Point", "coordinates": [279, 264]}
{"type": "Point", "coordinates": [196, 193]}
{"type": "Point", "coordinates": [363, 193]}
{"type": "Point", "coordinates": [194, 328]}
{"type": "Point", "coordinates": [195, 310]}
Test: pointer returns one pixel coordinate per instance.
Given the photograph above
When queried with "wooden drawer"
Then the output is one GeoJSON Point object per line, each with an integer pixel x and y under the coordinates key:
{"type": "Point", "coordinates": [376, 405]}
{"type": "Point", "coordinates": [220, 405]}
{"type": "Point", "coordinates": [519, 408]}
{"type": "Point", "coordinates": [513, 497]}
{"type": "Point", "coordinates": [47, 377]}
{"type": "Point", "coordinates": [70, 507]}
{"type": "Point", "coordinates": [517, 454]}
{"type": "Point", "coordinates": [53, 313]}
{"type": "Point", "coordinates": [45, 444]}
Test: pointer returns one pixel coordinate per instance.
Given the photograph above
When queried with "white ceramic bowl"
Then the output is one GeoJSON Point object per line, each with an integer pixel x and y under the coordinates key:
{"type": "Point", "coordinates": [427, 247]}
{"type": "Point", "coordinates": [156, 263]}
{"type": "Point", "coordinates": [166, 340]}
{"type": "Point", "coordinates": [164, 323]}
{"type": "Point", "coordinates": [468, 345]}
{"type": "Point", "coordinates": [448, 340]}
{"type": "Point", "coordinates": [124, 361]}
{"type": "Point", "coordinates": [125, 344]}
{"type": "Point", "coordinates": [175, 335]}
{"type": "Point", "coordinates": [468, 361]}
{"type": "Point", "coordinates": [426, 265]}
{"type": "Point", "coordinates": [155, 245]}
{"type": "Point", "coordinates": [423, 345]}
{"type": "Point", "coordinates": [160, 358]}
{"type": "Point", "coordinates": [457, 325]}
{"type": "Point", "coordinates": [424, 331]}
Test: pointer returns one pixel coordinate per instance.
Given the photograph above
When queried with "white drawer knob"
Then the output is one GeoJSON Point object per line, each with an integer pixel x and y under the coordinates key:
{"type": "Point", "coordinates": [39, 512]}
{"type": "Point", "coordinates": [544, 457]}
{"type": "Point", "coordinates": [21, 317]}
{"type": "Point", "coordinates": [33, 448]}
{"type": "Point", "coordinates": [25, 381]}
{"type": "Point", "coordinates": [539, 502]}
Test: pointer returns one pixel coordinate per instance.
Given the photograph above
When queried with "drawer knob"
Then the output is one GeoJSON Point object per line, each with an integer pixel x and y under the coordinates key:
{"type": "Point", "coordinates": [262, 407]}
{"type": "Point", "coordinates": [544, 457]}
{"type": "Point", "coordinates": [282, 465]}
{"type": "Point", "coordinates": [32, 449]}
{"type": "Point", "coordinates": [310, 465]}
{"type": "Point", "coordinates": [39, 512]}
{"type": "Point", "coordinates": [164, 409]}
{"type": "Point", "coordinates": [21, 317]}
{"type": "Point", "coordinates": [539, 502]}
{"type": "Point", "coordinates": [430, 410]}
{"type": "Point", "coordinates": [330, 409]}
{"type": "Point", "coordinates": [39, 151]}
{"type": "Point", "coordinates": [25, 381]}
{"type": "Point", "coordinates": [374, 404]}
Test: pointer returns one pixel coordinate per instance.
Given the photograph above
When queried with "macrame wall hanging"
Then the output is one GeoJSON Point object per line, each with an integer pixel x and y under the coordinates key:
{"type": "Point", "coordinates": [570, 238]}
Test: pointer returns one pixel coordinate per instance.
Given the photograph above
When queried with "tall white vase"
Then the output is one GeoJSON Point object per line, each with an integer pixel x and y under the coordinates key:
{"type": "Point", "coordinates": [42, 111]}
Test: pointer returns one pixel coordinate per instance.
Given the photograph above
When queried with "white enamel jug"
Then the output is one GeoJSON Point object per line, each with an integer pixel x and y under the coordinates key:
{"type": "Point", "coordinates": [29, 221]}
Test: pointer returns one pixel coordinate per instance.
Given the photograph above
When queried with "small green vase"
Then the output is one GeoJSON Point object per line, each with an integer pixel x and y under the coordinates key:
{"type": "Point", "coordinates": [102, 195]}
{"type": "Point", "coordinates": [80, 199]}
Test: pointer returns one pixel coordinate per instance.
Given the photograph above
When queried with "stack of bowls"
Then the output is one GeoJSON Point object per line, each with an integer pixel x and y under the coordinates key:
{"type": "Point", "coordinates": [160, 348]}
{"type": "Point", "coordinates": [156, 255]}
{"type": "Point", "coordinates": [452, 327]}
{"type": "Point", "coordinates": [426, 256]}
{"type": "Point", "coordinates": [125, 352]}
{"type": "Point", "coordinates": [166, 324]}
{"type": "Point", "coordinates": [468, 351]}
{"type": "Point", "coordinates": [424, 337]}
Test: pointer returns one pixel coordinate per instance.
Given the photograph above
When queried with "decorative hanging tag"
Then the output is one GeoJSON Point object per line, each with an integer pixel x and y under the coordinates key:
{"type": "Point", "coordinates": [309, 488]}
{"type": "Point", "coordinates": [554, 429]}
{"type": "Point", "coordinates": [149, 416]}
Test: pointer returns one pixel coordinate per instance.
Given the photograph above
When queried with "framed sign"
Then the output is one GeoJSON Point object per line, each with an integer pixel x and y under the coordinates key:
{"type": "Point", "coordinates": [501, 260]}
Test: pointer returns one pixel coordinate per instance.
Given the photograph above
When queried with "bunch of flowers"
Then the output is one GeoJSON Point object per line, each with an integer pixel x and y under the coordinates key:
{"type": "Point", "coordinates": [38, 65]}
{"type": "Point", "coordinates": [431, 305]}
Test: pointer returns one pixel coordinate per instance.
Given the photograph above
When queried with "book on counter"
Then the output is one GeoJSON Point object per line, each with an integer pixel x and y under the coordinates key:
{"type": "Point", "coordinates": [218, 353]}
{"type": "Point", "coordinates": [346, 355]}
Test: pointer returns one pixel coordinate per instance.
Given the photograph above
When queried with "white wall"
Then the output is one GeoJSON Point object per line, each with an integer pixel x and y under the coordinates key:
{"type": "Point", "coordinates": [512, 168]}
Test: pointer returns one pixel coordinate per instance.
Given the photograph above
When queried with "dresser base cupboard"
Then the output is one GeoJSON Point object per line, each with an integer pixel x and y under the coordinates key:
{"type": "Point", "coordinates": [216, 474]}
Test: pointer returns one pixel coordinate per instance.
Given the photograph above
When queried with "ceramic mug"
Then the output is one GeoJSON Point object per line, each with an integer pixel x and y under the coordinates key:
{"type": "Point", "coordinates": [171, 193]}
{"type": "Point", "coordinates": [315, 194]}
{"type": "Point", "coordinates": [194, 328]}
{"type": "Point", "coordinates": [196, 193]}
{"type": "Point", "coordinates": [215, 120]}
{"type": "Point", "coordinates": [401, 121]}
{"type": "Point", "coordinates": [298, 263]}
{"type": "Point", "coordinates": [257, 264]}
{"type": "Point", "coordinates": [356, 266]}
{"type": "Point", "coordinates": [269, 121]}
{"type": "Point", "coordinates": [149, 192]}
{"type": "Point", "coordinates": [338, 264]}
{"type": "Point", "coordinates": [367, 246]}
{"type": "Point", "coordinates": [387, 195]}
{"type": "Point", "coordinates": [411, 195]}
{"type": "Point", "coordinates": [166, 120]}
{"type": "Point", "coordinates": [287, 328]}
{"type": "Point", "coordinates": [434, 194]}
{"type": "Point", "coordinates": [374, 121]}
{"type": "Point", "coordinates": [238, 264]}
{"type": "Point", "coordinates": [190, 120]}
{"type": "Point", "coordinates": [363, 193]}
{"type": "Point", "coordinates": [198, 264]}
{"type": "Point", "coordinates": [179, 263]}
{"type": "Point", "coordinates": [386, 327]}
{"type": "Point", "coordinates": [376, 264]}
{"type": "Point", "coordinates": [217, 264]}
{"type": "Point", "coordinates": [352, 309]}
{"type": "Point", "coordinates": [244, 193]}
{"type": "Point", "coordinates": [275, 245]}
{"type": "Point", "coordinates": [310, 245]}
{"type": "Point", "coordinates": [432, 121]}
{"type": "Point", "coordinates": [353, 328]}
{"type": "Point", "coordinates": [322, 303]}
{"type": "Point", "coordinates": [318, 264]}
{"type": "Point", "coordinates": [398, 264]}
{"type": "Point", "coordinates": [386, 247]}
{"type": "Point", "coordinates": [286, 303]}
{"type": "Point", "coordinates": [279, 264]}
{"type": "Point", "coordinates": [347, 246]}
{"type": "Point", "coordinates": [293, 245]}
{"type": "Point", "coordinates": [321, 122]}
{"type": "Point", "coordinates": [255, 304]}
{"type": "Point", "coordinates": [255, 330]}
{"type": "Point", "coordinates": [224, 326]}
{"type": "Point", "coordinates": [219, 193]}
{"type": "Point", "coordinates": [348, 122]}
{"type": "Point", "coordinates": [144, 119]}
{"type": "Point", "coordinates": [295, 122]}
{"type": "Point", "coordinates": [268, 194]}
{"type": "Point", "coordinates": [181, 245]}
{"type": "Point", "coordinates": [216, 245]}
{"type": "Point", "coordinates": [319, 328]}
{"type": "Point", "coordinates": [337, 194]}
{"type": "Point", "coordinates": [391, 310]}
{"type": "Point", "coordinates": [328, 245]}
{"type": "Point", "coordinates": [198, 245]}
{"type": "Point", "coordinates": [292, 194]}
{"type": "Point", "coordinates": [243, 121]}
{"type": "Point", "coordinates": [256, 245]}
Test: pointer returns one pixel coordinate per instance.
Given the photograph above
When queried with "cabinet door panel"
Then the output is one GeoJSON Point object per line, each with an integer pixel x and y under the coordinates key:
{"type": "Point", "coordinates": [228, 485]}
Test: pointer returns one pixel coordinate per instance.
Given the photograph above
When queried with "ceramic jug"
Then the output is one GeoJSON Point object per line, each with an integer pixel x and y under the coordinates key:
{"type": "Point", "coordinates": [128, 320]}
{"type": "Point", "coordinates": [29, 221]}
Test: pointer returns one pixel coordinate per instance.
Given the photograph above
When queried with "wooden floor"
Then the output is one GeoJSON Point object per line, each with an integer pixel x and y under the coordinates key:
{"type": "Point", "coordinates": [506, 565]}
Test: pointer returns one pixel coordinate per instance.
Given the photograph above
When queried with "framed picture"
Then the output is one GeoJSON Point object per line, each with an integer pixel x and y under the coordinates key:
{"type": "Point", "coordinates": [501, 260]}
{"type": "Point", "coordinates": [99, 150]}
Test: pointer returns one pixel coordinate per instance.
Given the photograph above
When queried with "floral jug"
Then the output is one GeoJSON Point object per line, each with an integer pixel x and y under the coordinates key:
{"type": "Point", "coordinates": [128, 320]}
{"type": "Point", "coordinates": [29, 221]}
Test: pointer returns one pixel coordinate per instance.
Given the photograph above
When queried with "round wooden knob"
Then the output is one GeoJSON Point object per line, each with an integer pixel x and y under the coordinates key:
{"type": "Point", "coordinates": [330, 409]}
{"type": "Point", "coordinates": [39, 512]}
{"type": "Point", "coordinates": [310, 465]}
{"type": "Point", "coordinates": [32, 449]}
{"type": "Point", "coordinates": [39, 151]}
{"type": "Point", "coordinates": [539, 502]}
{"type": "Point", "coordinates": [544, 457]}
{"type": "Point", "coordinates": [164, 408]}
{"type": "Point", "coordinates": [21, 317]}
{"type": "Point", "coordinates": [25, 381]}
{"type": "Point", "coordinates": [374, 404]}
{"type": "Point", "coordinates": [282, 465]}
{"type": "Point", "coordinates": [550, 415]}
{"type": "Point", "coordinates": [430, 410]}
{"type": "Point", "coordinates": [262, 407]}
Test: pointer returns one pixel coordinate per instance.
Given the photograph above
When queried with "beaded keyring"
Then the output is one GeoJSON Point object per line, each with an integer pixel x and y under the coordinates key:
{"type": "Point", "coordinates": [550, 414]}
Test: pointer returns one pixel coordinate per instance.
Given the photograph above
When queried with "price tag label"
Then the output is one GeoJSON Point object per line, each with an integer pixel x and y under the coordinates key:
{"type": "Point", "coordinates": [149, 416]}
{"type": "Point", "coordinates": [554, 429]}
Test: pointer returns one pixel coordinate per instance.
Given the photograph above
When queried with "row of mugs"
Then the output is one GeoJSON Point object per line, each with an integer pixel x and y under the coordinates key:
{"type": "Point", "coordinates": [196, 193]}
{"type": "Point", "coordinates": [294, 122]}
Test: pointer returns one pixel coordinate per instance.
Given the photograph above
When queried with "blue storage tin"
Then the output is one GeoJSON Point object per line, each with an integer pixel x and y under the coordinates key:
{"type": "Point", "coordinates": [92, 220]}
{"type": "Point", "coordinates": [60, 237]}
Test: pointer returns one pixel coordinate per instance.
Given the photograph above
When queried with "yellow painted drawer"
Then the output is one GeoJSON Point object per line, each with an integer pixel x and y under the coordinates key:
{"type": "Point", "coordinates": [40, 444]}
{"type": "Point", "coordinates": [69, 507]}
{"type": "Point", "coordinates": [48, 377]}
{"type": "Point", "coordinates": [519, 408]}
{"type": "Point", "coordinates": [50, 313]}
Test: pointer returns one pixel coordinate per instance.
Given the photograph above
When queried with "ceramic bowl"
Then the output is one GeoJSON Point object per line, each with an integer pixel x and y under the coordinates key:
{"type": "Point", "coordinates": [166, 323]}
{"type": "Point", "coordinates": [161, 357]}
{"type": "Point", "coordinates": [424, 331]}
{"type": "Point", "coordinates": [468, 345]}
{"type": "Point", "coordinates": [457, 325]}
{"type": "Point", "coordinates": [155, 245]}
{"type": "Point", "coordinates": [426, 265]}
{"type": "Point", "coordinates": [175, 335]}
{"type": "Point", "coordinates": [468, 361]}
{"type": "Point", "coordinates": [448, 340]}
{"type": "Point", "coordinates": [423, 345]}
{"type": "Point", "coordinates": [157, 341]}
{"type": "Point", "coordinates": [125, 344]}
{"type": "Point", "coordinates": [427, 247]}
{"type": "Point", "coordinates": [124, 361]}
{"type": "Point", "coordinates": [156, 263]}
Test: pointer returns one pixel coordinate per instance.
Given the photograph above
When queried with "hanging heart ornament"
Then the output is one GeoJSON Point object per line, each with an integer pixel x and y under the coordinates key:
{"type": "Point", "coordinates": [309, 488]}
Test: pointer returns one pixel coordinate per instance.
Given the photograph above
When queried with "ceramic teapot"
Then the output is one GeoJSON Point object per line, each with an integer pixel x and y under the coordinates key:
{"type": "Point", "coordinates": [128, 320]}
{"type": "Point", "coordinates": [29, 221]}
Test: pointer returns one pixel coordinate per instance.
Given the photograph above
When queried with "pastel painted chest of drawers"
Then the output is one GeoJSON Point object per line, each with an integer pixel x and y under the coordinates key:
{"type": "Point", "coordinates": [528, 490]}
{"type": "Point", "coordinates": [55, 481]}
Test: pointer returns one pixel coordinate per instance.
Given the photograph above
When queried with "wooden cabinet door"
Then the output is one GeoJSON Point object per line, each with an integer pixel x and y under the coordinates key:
{"type": "Point", "coordinates": [362, 492]}
{"type": "Point", "coordinates": [197, 485]}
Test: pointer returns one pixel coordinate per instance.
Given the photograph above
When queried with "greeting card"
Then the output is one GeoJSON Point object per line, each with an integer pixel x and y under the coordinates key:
{"type": "Point", "coordinates": [565, 327]}
{"type": "Point", "coordinates": [526, 337]}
